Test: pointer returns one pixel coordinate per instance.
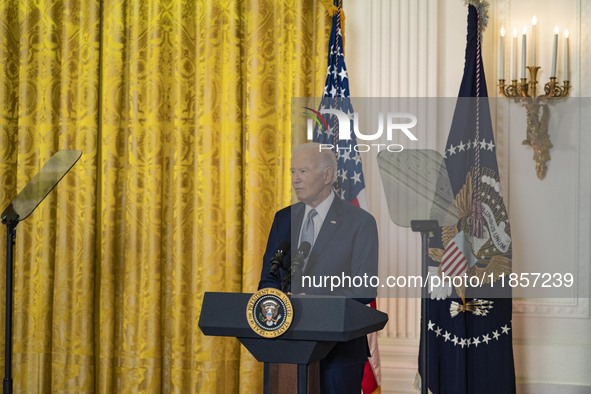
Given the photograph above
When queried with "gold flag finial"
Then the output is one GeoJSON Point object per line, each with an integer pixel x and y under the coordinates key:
{"type": "Point", "coordinates": [330, 7]}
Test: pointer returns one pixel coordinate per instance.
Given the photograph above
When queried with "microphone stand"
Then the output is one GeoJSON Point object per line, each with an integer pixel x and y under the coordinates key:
{"type": "Point", "coordinates": [295, 267]}
{"type": "Point", "coordinates": [286, 282]}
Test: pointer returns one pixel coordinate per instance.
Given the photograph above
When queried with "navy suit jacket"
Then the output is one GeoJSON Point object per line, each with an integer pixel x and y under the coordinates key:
{"type": "Point", "coordinates": [347, 245]}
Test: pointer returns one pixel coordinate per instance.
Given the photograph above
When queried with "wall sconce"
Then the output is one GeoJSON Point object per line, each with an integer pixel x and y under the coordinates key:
{"type": "Point", "coordinates": [525, 91]}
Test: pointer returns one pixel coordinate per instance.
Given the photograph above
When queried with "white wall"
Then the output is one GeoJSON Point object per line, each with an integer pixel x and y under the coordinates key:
{"type": "Point", "coordinates": [415, 48]}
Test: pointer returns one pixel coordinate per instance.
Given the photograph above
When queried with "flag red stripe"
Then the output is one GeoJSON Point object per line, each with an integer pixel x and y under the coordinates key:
{"type": "Point", "coordinates": [457, 268]}
{"type": "Point", "coordinates": [454, 261]}
{"type": "Point", "coordinates": [456, 271]}
{"type": "Point", "coordinates": [449, 264]}
{"type": "Point", "coordinates": [369, 384]}
{"type": "Point", "coordinates": [449, 259]}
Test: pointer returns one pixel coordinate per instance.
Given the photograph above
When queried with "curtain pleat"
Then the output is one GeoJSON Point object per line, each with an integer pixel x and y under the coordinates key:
{"type": "Point", "coordinates": [182, 110]}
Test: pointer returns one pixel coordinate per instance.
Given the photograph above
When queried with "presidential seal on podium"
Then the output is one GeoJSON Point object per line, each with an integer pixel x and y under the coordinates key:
{"type": "Point", "coordinates": [269, 312]}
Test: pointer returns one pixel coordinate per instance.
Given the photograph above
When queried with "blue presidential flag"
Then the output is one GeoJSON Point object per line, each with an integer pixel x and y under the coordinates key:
{"type": "Point", "coordinates": [469, 330]}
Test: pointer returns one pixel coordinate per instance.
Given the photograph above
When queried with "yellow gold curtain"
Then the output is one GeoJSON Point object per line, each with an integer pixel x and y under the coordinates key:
{"type": "Point", "coordinates": [182, 111]}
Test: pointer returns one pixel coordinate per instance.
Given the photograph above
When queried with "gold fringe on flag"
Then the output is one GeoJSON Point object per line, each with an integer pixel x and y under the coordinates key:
{"type": "Point", "coordinates": [332, 9]}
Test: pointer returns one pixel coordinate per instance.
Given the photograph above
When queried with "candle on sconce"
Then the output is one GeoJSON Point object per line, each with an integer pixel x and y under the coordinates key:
{"type": "Point", "coordinates": [534, 21]}
{"type": "Point", "coordinates": [523, 51]}
{"type": "Point", "coordinates": [514, 57]}
{"type": "Point", "coordinates": [566, 72]}
{"type": "Point", "coordinates": [502, 54]}
{"type": "Point", "coordinates": [554, 52]}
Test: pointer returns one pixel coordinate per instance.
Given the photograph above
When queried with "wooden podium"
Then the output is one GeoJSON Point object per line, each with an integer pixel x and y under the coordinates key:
{"type": "Point", "coordinates": [283, 378]}
{"type": "Point", "coordinates": [319, 322]}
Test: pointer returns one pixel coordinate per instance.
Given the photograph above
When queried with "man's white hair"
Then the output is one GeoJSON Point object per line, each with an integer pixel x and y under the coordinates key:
{"type": "Point", "coordinates": [326, 157]}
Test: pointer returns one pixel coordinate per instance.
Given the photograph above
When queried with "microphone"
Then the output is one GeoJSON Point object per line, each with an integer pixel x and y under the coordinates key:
{"type": "Point", "coordinates": [300, 256]}
{"type": "Point", "coordinates": [277, 259]}
{"type": "Point", "coordinates": [296, 265]}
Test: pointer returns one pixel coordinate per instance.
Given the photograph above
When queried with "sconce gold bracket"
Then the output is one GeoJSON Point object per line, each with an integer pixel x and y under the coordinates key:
{"type": "Point", "coordinates": [538, 112]}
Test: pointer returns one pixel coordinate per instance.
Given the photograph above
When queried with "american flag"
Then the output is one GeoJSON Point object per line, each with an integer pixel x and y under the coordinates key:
{"type": "Point", "coordinates": [350, 182]}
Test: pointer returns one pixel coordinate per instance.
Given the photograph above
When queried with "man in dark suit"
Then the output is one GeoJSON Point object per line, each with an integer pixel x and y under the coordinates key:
{"type": "Point", "coordinates": [344, 244]}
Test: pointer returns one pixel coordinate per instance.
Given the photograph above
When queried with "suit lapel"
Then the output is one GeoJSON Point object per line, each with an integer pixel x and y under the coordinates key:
{"type": "Point", "coordinates": [297, 217]}
{"type": "Point", "coordinates": [329, 227]}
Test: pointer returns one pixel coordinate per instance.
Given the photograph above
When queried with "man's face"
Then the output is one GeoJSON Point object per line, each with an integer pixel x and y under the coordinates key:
{"type": "Point", "coordinates": [311, 182]}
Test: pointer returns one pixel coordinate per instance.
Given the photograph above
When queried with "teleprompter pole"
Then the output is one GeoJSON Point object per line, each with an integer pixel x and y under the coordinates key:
{"type": "Point", "coordinates": [18, 210]}
{"type": "Point", "coordinates": [424, 227]}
